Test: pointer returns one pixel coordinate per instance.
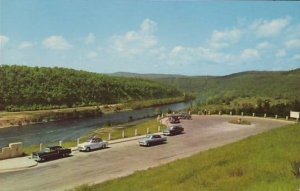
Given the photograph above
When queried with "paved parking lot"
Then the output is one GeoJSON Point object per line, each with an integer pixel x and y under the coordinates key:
{"type": "Point", "coordinates": [201, 133]}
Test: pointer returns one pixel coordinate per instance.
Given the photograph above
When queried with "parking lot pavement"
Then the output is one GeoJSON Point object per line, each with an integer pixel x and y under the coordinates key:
{"type": "Point", "coordinates": [118, 160]}
{"type": "Point", "coordinates": [15, 164]}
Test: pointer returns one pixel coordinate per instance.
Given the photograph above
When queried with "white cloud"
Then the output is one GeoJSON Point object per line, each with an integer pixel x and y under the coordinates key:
{"type": "Point", "coordinates": [148, 26]}
{"type": "Point", "coordinates": [264, 46]}
{"type": "Point", "coordinates": [56, 43]}
{"type": "Point", "coordinates": [294, 43]}
{"type": "Point", "coordinates": [250, 54]}
{"type": "Point", "coordinates": [280, 53]}
{"type": "Point", "coordinates": [90, 39]}
{"type": "Point", "coordinates": [135, 42]}
{"type": "Point", "coordinates": [222, 39]}
{"type": "Point", "coordinates": [265, 28]}
{"type": "Point", "coordinates": [26, 45]}
{"type": "Point", "coordinates": [92, 55]}
{"type": "Point", "coordinates": [186, 55]}
{"type": "Point", "coordinates": [3, 40]}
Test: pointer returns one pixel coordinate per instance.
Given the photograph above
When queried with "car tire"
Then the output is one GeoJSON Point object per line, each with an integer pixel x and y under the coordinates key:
{"type": "Point", "coordinates": [88, 149]}
{"type": "Point", "coordinates": [103, 146]}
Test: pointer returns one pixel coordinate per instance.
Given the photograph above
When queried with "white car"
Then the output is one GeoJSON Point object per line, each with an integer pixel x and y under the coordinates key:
{"type": "Point", "coordinates": [152, 140]}
{"type": "Point", "coordinates": [94, 143]}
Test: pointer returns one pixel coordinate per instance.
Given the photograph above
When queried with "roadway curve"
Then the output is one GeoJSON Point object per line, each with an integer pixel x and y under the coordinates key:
{"type": "Point", "coordinates": [201, 133]}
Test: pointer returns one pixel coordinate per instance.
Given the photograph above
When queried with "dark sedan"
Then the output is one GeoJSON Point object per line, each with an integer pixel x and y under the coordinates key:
{"type": "Point", "coordinates": [50, 153]}
{"type": "Point", "coordinates": [173, 130]}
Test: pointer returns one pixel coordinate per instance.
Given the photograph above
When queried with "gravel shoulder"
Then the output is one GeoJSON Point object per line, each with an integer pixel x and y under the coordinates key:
{"type": "Point", "coordinates": [201, 133]}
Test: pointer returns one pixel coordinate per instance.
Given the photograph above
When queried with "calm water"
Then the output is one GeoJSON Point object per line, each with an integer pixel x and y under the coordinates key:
{"type": "Point", "coordinates": [52, 132]}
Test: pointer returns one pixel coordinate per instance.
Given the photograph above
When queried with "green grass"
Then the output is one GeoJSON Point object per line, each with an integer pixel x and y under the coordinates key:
{"type": "Point", "coordinates": [128, 128]}
{"type": "Point", "coordinates": [259, 163]}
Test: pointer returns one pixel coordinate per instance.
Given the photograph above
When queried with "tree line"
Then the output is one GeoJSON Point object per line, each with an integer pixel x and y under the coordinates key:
{"type": "Point", "coordinates": [33, 88]}
{"type": "Point", "coordinates": [220, 89]}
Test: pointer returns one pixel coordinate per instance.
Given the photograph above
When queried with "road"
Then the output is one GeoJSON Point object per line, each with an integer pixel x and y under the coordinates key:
{"type": "Point", "coordinates": [201, 133]}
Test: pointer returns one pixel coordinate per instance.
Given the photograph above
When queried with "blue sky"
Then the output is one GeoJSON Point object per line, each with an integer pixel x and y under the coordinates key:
{"type": "Point", "coordinates": [172, 37]}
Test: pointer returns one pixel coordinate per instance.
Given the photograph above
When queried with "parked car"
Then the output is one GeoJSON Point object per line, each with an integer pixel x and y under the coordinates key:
{"type": "Point", "coordinates": [94, 143]}
{"type": "Point", "coordinates": [174, 119]}
{"type": "Point", "coordinates": [173, 130]}
{"type": "Point", "coordinates": [50, 153]}
{"type": "Point", "coordinates": [152, 140]}
{"type": "Point", "coordinates": [184, 115]}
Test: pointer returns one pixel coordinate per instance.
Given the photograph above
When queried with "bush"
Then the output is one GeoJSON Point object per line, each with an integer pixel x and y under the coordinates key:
{"type": "Point", "coordinates": [296, 168]}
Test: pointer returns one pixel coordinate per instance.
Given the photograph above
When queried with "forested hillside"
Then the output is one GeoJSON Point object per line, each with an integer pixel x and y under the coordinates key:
{"type": "Point", "coordinates": [278, 85]}
{"type": "Point", "coordinates": [22, 86]}
{"type": "Point", "coordinates": [250, 92]}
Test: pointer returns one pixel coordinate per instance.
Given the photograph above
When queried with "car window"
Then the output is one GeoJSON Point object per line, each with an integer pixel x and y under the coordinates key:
{"type": "Point", "coordinates": [47, 150]}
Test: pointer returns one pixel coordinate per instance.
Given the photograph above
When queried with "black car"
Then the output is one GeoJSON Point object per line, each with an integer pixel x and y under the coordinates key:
{"type": "Point", "coordinates": [173, 130]}
{"type": "Point", "coordinates": [174, 119]}
{"type": "Point", "coordinates": [50, 153]}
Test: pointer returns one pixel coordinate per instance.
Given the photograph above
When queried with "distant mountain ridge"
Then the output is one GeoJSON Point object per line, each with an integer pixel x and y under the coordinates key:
{"type": "Point", "coordinates": [147, 76]}
{"type": "Point", "coordinates": [274, 84]}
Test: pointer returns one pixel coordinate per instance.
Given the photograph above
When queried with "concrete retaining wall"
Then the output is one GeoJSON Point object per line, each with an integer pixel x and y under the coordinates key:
{"type": "Point", "coordinates": [13, 150]}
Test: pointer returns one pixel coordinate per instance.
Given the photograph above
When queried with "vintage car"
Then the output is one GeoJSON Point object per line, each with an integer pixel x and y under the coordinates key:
{"type": "Point", "coordinates": [174, 119]}
{"type": "Point", "coordinates": [50, 153]}
{"type": "Point", "coordinates": [93, 143]}
{"type": "Point", "coordinates": [152, 140]}
{"type": "Point", "coordinates": [173, 130]}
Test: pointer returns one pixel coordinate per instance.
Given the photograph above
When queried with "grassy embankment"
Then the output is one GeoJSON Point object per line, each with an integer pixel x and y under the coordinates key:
{"type": "Point", "coordinates": [116, 132]}
{"type": "Point", "coordinates": [29, 117]}
{"type": "Point", "coordinates": [264, 162]}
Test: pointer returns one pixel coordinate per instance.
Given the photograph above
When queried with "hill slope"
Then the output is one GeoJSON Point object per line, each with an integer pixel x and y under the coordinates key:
{"type": "Point", "coordinates": [278, 85]}
{"type": "Point", "coordinates": [22, 86]}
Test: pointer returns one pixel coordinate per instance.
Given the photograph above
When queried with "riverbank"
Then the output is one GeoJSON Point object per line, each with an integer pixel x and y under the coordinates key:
{"type": "Point", "coordinates": [13, 119]}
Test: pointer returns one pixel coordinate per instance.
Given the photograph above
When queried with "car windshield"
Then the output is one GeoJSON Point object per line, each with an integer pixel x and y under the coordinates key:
{"type": "Point", "coordinates": [47, 150]}
{"type": "Point", "coordinates": [148, 136]}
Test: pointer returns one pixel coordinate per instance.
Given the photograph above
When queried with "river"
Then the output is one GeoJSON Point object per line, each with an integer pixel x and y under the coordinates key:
{"type": "Point", "coordinates": [52, 132]}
